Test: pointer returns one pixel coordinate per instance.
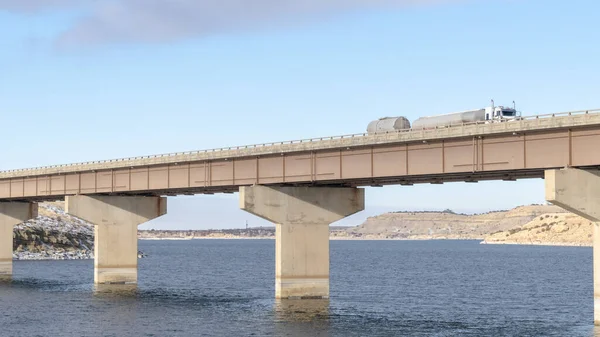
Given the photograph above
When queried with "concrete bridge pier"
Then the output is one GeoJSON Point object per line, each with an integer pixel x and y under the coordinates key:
{"type": "Point", "coordinates": [11, 214]}
{"type": "Point", "coordinates": [115, 220]}
{"type": "Point", "coordinates": [578, 191]}
{"type": "Point", "coordinates": [302, 216]}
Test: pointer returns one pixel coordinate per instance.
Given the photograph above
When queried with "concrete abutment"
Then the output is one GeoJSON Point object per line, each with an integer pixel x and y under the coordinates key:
{"type": "Point", "coordinates": [302, 216]}
{"type": "Point", "coordinates": [115, 220]}
{"type": "Point", "coordinates": [11, 214]}
{"type": "Point", "coordinates": [578, 191]}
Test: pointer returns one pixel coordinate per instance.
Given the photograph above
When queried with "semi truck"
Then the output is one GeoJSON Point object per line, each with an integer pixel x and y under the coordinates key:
{"type": "Point", "coordinates": [491, 114]}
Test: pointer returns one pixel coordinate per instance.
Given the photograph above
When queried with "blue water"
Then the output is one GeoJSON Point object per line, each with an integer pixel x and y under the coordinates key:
{"type": "Point", "coordinates": [378, 288]}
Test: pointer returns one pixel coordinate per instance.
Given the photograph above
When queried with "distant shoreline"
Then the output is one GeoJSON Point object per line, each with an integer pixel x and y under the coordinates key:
{"type": "Point", "coordinates": [553, 244]}
{"type": "Point", "coordinates": [480, 240]}
{"type": "Point", "coordinates": [331, 238]}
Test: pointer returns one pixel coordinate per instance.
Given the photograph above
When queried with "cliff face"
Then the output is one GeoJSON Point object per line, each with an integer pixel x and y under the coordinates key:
{"type": "Point", "coordinates": [53, 235]}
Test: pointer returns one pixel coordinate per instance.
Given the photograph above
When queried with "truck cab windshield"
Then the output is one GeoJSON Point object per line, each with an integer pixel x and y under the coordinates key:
{"type": "Point", "coordinates": [508, 113]}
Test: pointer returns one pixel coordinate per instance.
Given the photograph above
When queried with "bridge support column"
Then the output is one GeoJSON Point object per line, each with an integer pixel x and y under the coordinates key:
{"type": "Point", "coordinates": [11, 214]}
{"type": "Point", "coordinates": [302, 216]}
{"type": "Point", "coordinates": [115, 220]}
{"type": "Point", "coordinates": [578, 191]}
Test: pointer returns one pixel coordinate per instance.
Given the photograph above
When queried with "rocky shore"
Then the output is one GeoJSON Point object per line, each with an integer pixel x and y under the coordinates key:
{"type": "Point", "coordinates": [53, 235]}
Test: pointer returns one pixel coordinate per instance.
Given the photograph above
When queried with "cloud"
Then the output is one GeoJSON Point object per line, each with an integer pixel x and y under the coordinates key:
{"type": "Point", "coordinates": [121, 21]}
{"type": "Point", "coordinates": [36, 5]}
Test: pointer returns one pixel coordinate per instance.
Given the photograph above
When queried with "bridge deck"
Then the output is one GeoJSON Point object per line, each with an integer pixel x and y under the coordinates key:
{"type": "Point", "coordinates": [470, 152]}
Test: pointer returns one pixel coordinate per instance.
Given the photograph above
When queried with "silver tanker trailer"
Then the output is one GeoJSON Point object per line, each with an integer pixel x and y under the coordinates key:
{"type": "Point", "coordinates": [490, 114]}
{"type": "Point", "coordinates": [386, 124]}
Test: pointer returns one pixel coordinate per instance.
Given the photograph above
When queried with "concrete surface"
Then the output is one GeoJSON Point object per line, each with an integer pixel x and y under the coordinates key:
{"type": "Point", "coordinates": [578, 191]}
{"type": "Point", "coordinates": [115, 220]}
{"type": "Point", "coordinates": [302, 216]}
{"type": "Point", "coordinates": [11, 214]}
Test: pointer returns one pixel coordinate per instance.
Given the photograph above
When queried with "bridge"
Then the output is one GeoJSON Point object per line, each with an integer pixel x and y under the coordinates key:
{"type": "Point", "coordinates": [302, 186]}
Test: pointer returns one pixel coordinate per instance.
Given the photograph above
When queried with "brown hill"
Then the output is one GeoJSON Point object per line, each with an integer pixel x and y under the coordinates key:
{"type": "Point", "coordinates": [446, 225]}
{"type": "Point", "coordinates": [548, 229]}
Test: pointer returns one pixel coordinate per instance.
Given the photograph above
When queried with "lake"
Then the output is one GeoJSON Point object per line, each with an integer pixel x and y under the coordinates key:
{"type": "Point", "coordinates": [378, 288]}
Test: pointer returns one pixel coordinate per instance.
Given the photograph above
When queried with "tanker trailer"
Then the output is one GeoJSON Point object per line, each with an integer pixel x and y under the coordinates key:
{"type": "Point", "coordinates": [490, 114]}
{"type": "Point", "coordinates": [455, 118]}
{"type": "Point", "coordinates": [388, 124]}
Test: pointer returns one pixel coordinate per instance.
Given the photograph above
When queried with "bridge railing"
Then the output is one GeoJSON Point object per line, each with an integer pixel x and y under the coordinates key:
{"type": "Point", "coordinates": [418, 133]}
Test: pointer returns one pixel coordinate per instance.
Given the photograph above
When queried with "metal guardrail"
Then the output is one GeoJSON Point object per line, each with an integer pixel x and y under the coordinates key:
{"type": "Point", "coordinates": [300, 141]}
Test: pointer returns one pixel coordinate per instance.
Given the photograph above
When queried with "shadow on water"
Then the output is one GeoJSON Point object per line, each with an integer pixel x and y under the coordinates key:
{"type": "Point", "coordinates": [173, 297]}
{"type": "Point", "coordinates": [305, 317]}
{"type": "Point", "coordinates": [116, 291]}
{"type": "Point", "coordinates": [305, 310]}
{"type": "Point", "coordinates": [584, 330]}
{"type": "Point", "coordinates": [42, 285]}
{"type": "Point", "coordinates": [165, 297]}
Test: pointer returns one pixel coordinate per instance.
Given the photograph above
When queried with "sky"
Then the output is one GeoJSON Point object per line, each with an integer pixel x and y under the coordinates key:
{"type": "Point", "coordinates": [88, 80]}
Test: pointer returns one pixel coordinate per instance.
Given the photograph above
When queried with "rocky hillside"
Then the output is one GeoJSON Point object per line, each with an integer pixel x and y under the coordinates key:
{"type": "Point", "coordinates": [445, 225]}
{"type": "Point", "coordinates": [53, 235]}
{"type": "Point", "coordinates": [548, 229]}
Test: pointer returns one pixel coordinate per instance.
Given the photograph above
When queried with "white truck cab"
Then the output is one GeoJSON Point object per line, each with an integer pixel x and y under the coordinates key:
{"type": "Point", "coordinates": [501, 113]}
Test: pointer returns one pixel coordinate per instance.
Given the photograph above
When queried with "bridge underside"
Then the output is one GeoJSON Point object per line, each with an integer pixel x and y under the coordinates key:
{"type": "Point", "coordinates": [472, 177]}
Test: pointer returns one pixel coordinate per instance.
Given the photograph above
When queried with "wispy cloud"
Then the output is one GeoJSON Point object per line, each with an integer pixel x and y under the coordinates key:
{"type": "Point", "coordinates": [111, 21]}
{"type": "Point", "coordinates": [36, 5]}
